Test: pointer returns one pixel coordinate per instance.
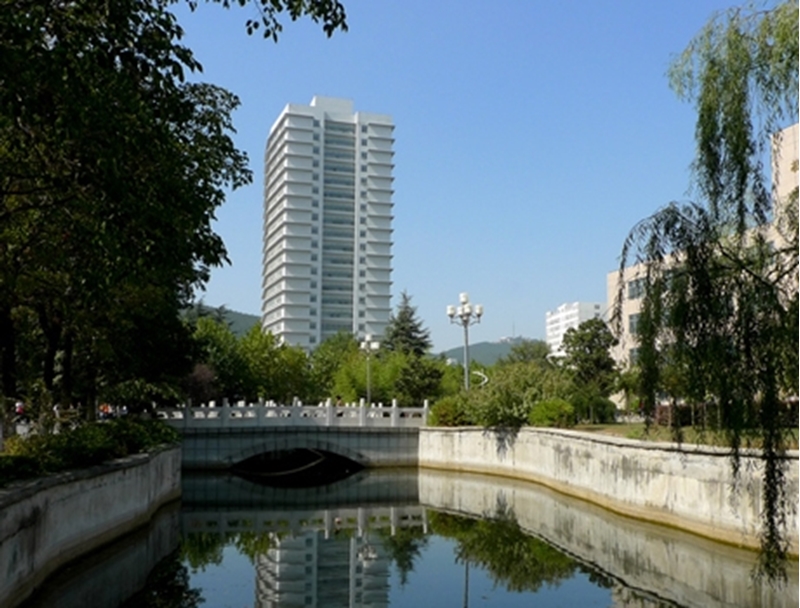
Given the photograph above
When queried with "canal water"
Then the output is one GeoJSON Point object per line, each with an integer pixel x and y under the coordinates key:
{"type": "Point", "coordinates": [405, 538]}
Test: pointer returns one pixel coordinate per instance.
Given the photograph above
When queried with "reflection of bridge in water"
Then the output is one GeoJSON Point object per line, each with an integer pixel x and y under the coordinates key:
{"type": "Point", "coordinates": [325, 545]}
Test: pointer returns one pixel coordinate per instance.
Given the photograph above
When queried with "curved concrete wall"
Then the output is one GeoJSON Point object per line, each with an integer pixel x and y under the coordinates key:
{"type": "Point", "coordinates": [686, 487]}
{"type": "Point", "coordinates": [656, 566]}
{"type": "Point", "coordinates": [48, 522]}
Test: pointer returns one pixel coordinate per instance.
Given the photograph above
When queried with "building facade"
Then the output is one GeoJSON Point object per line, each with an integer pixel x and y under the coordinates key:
{"type": "Point", "coordinates": [567, 316]}
{"type": "Point", "coordinates": [327, 248]}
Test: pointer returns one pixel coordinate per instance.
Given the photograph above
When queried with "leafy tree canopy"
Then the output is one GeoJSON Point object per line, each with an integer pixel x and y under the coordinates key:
{"type": "Point", "coordinates": [588, 355]}
{"type": "Point", "coordinates": [719, 322]}
{"type": "Point", "coordinates": [527, 351]}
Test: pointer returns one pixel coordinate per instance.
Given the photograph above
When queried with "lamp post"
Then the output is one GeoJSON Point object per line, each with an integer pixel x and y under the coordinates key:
{"type": "Point", "coordinates": [465, 314]}
{"type": "Point", "coordinates": [369, 346]}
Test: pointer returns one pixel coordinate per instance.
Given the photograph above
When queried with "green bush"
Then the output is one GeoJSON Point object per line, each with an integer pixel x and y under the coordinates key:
{"type": "Point", "coordinates": [552, 413]}
{"type": "Point", "coordinates": [594, 408]}
{"type": "Point", "coordinates": [450, 411]}
{"type": "Point", "coordinates": [86, 445]}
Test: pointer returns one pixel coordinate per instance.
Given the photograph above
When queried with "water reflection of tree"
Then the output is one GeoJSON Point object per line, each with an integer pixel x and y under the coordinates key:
{"type": "Point", "coordinates": [200, 549]}
{"type": "Point", "coordinates": [509, 556]}
{"type": "Point", "coordinates": [404, 546]}
{"type": "Point", "coordinates": [167, 587]}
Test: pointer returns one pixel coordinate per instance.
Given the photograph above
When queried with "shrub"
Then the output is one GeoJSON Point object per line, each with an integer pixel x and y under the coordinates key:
{"type": "Point", "coordinates": [450, 411]}
{"type": "Point", "coordinates": [86, 445]}
{"type": "Point", "coordinates": [552, 413]}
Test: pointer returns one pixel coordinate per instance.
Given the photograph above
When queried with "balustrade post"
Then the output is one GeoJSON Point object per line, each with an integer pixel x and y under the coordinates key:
{"type": "Point", "coordinates": [225, 413]}
{"type": "Point", "coordinates": [362, 415]}
{"type": "Point", "coordinates": [328, 412]}
{"type": "Point", "coordinates": [425, 412]}
{"type": "Point", "coordinates": [395, 415]}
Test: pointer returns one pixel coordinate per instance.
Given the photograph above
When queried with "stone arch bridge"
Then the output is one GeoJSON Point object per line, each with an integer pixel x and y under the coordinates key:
{"type": "Point", "coordinates": [372, 436]}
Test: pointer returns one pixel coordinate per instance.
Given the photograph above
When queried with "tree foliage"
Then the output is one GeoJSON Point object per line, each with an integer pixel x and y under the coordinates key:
{"type": "Point", "coordinates": [721, 302]}
{"type": "Point", "coordinates": [111, 169]}
{"type": "Point", "coordinates": [588, 356]}
{"type": "Point", "coordinates": [527, 351]}
{"type": "Point", "coordinates": [405, 332]}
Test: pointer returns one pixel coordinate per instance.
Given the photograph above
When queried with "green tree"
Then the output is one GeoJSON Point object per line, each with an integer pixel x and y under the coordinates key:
{"type": "Point", "coordinates": [588, 356]}
{"type": "Point", "coordinates": [405, 332]}
{"type": "Point", "coordinates": [326, 360]}
{"type": "Point", "coordinates": [220, 351]}
{"type": "Point", "coordinates": [527, 351]}
{"type": "Point", "coordinates": [721, 283]}
{"type": "Point", "coordinates": [111, 168]}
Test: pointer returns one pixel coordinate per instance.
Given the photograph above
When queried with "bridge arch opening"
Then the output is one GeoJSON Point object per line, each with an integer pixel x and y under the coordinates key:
{"type": "Point", "coordinates": [296, 467]}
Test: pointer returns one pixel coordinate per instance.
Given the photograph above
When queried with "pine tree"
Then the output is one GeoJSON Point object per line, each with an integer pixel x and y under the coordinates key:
{"type": "Point", "coordinates": [405, 332]}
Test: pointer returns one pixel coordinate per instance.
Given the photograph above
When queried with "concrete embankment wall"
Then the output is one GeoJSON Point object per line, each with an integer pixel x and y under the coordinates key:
{"type": "Point", "coordinates": [688, 487]}
{"type": "Point", "coordinates": [672, 568]}
{"type": "Point", "coordinates": [48, 522]}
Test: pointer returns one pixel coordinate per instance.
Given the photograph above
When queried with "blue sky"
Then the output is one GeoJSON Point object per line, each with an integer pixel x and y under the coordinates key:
{"type": "Point", "coordinates": [530, 136]}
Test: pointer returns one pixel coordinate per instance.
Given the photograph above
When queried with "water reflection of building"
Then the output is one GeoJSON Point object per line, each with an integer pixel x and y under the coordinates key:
{"type": "Point", "coordinates": [348, 569]}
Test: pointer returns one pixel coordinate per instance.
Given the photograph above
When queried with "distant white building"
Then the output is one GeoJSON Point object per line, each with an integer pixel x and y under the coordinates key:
{"type": "Point", "coordinates": [566, 316]}
{"type": "Point", "coordinates": [327, 223]}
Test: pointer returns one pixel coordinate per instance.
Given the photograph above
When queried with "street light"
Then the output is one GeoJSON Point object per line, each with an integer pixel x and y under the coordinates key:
{"type": "Point", "coordinates": [465, 314]}
{"type": "Point", "coordinates": [369, 346]}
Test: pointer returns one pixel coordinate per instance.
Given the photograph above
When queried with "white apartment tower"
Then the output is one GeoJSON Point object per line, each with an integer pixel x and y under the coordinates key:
{"type": "Point", "coordinates": [568, 316]}
{"type": "Point", "coordinates": [327, 251]}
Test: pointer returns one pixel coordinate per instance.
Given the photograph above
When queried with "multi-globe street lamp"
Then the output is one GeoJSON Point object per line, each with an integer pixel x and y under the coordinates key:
{"type": "Point", "coordinates": [465, 314]}
{"type": "Point", "coordinates": [368, 345]}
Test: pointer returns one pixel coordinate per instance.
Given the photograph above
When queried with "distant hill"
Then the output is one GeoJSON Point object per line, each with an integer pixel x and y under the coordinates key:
{"type": "Point", "coordinates": [239, 322]}
{"type": "Point", "coordinates": [486, 353]}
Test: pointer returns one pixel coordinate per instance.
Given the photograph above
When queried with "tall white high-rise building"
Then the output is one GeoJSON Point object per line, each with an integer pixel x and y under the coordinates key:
{"type": "Point", "coordinates": [327, 251]}
{"type": "Point", "coordinates": [567, 316]}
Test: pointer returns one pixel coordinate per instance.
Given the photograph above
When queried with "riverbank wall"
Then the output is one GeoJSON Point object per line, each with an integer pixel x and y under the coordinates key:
{"type": "Point", "coordinates": [688, 487]}
{"type": "Point", "coordinates": [673, 568]}
{"type": "Point", "coordinates": [47, 522]}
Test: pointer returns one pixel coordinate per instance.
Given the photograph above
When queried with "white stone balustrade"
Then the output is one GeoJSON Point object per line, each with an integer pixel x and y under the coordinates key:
{"type": "Point", "coordinates": [271, 414]}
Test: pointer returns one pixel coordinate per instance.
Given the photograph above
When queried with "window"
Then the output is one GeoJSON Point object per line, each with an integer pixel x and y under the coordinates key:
{"type": "Point", "coordinates": [362, 220]}
{"type": "Point", "coordinates": [315, 203]}
{"type": "Point", "coordinates": [364, 168]}
{"type": "Point", "coordinates": [313, 257]}
{"type": "Point", "coordinates": [313, 312]}
{"type": "Point", "coordinates": [363, 156]}
{"type": "Point", "coordinates": [316, 149]}
{"type": "Point", "coordinates": [315, 163]}
{"type": "Point", "coordinates": [314, 217]}
{"type": "Point", "coordinates": [315, 177]}
{"type": "Point", "coordinates": [314, 270]}
{"type": "Point", "coordinates": [362, 314]}
{"type": "Point", "coordinates": [363, 142]}
{"type": "Point", "coordinates": [316, 136]}
{"type": "Point", "coordinates": [363, 234]}
{"type": "Point", "coordinates": [363, 207]}
{"type": "Point", "coordinates": [362, 273]}
{"type": "Point", "coordinates": [633, 323]}
{"type": "Point", "coordinates": [312, 325]}
{"type": "Point", "coordinates": [363, 128]}
{"type": "Point", "coordinates": [635, 289]}
{"type": "Point", "coordinates": [316, 122]}
{"type": "Point", "coordinates": [313, 298]}
{"type": "Point", "coordinates": [314, 244]}
{"type": "Point", "coordinates": [314, 190]}
{"type": "Point", "coordinates": [314, 230]}
{"type": "Point", "coordinates": [313, 286]}
{"type": "Point", "coordinates": [364, 181]}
